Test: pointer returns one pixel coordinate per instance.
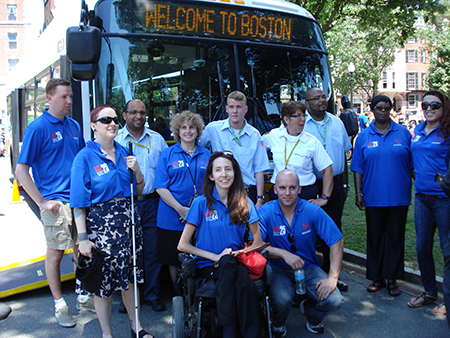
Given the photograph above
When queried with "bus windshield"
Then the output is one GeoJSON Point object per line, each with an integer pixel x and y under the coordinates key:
{"type": "Point", "coordinates": [172, 72]}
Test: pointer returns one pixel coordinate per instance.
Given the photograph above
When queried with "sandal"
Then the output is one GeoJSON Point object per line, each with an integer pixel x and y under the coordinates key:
{"type": "Point", "coordinates": [393, 288]}
{"type": "Point", "coordinates": [439, 310]}
{"type": "Point", "coordinates": [376, 286]}
{"type": "Point", "coordinates": [141, 334]}
{"type": "Point", "coordinates": [423, 299]}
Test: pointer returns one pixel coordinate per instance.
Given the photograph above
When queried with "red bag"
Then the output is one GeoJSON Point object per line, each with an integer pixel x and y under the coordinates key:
{"type": "Point", "coordinates": [254, 261]}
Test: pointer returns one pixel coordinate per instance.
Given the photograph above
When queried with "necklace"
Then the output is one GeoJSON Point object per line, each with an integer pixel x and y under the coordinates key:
{"type": "Point", "coordinates": [384, 130]}
{"type": "Point", "coordinates": [190, 152]}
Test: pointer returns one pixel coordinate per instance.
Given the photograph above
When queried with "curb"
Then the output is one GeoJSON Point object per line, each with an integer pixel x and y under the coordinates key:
{"type": "Point", "coordinates": [411, 276]}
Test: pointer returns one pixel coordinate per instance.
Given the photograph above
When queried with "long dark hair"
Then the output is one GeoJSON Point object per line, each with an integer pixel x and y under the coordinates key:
{"type": "Point", "coordinates": [444, 127]}
{"type": "Point", "coordinates": [238, 204]}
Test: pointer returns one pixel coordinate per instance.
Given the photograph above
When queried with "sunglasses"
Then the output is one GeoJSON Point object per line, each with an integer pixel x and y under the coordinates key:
{"type": "Point", "coordinates": [434, 105]}
{"type": "Point", "coordinates": [291, 240]}
{"type": "Point", "coordinates": [223, 153]}
{"type": "Point", "coordinates": [107, 120]}
{"type": "Point", "coordinates": [135, 112]}
{"type": "Point", "coordinates": [383, 108]}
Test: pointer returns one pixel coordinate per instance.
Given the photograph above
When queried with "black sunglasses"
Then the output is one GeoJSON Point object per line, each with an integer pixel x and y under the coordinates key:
{"type": "Point", "coordinates": [107, 120]}
{"type": "Point", "coordinates": [434, 105]}
{"type": "Point", "coordinates": [388, 108]}
{"type": "Point", "coordinates": [291, 240]}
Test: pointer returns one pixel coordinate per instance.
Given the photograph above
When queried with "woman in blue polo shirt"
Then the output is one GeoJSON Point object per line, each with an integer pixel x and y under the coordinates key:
{"type": "Point", "coordinates": [429, 147]}
{"type": "Point", "coordinates": [178, 180]}
{"type": "Point", "coordinates": [219, 219]}
{"type": "Point", "coordinates": [100, 195]}
{"type": "Point", "coordinates": [382, 166]}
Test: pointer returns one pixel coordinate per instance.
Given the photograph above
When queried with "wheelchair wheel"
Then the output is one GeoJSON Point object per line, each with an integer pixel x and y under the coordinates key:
{"type": "Point", "coordinates": [178, 317]}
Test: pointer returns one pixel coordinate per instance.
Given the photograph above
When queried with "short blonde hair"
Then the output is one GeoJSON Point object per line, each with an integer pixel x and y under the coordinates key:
{"type": "Point", "coordinates": [238, 96]}
{"type": "Point", "coordinates": [184, 116]}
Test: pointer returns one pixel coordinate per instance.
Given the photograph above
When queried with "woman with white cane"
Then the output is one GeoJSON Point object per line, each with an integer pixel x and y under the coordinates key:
{"type": "Point", "coordinates": [104, 216]}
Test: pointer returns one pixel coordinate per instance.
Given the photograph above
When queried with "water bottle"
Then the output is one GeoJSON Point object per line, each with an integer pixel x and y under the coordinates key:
{"type": "Point", "coordinates": [300, 286]}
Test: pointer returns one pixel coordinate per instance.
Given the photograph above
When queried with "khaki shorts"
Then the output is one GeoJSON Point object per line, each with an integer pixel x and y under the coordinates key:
{"type": "Point", "coordinates": [59, 228]}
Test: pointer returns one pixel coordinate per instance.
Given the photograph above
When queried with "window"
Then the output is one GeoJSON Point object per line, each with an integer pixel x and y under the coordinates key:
{"type": "Point", "coordinates": [411, 81]}
{"type": "Point", "coordinates": [12, 12]}
{"type": "Point", "coordinates": [12, 40]}
{"type": "Point", "coordinates": [411, 55]}
{"type": "Point", "coordinates": [393, 80]}
{"type": "Point", "coordinates": [384, 80]}
{"type": "Point", "coordinates": [412, 100]}
{"type": "Point", "coordinates": [423, 56]}
{"type": "Point", "coordinates": [412, 40]}
{"type": "Point", "coordinates": [12, 63]}
{"type": "Point", "coordinates": [423, 79]}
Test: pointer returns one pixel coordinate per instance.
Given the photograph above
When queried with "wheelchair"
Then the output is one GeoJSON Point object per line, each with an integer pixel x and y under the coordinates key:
{"type": "Point", "coordinates": [195, 313]}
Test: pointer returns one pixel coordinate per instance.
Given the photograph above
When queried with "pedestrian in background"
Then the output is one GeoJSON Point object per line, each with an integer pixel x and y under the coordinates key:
{"type": "Point", "coordinates": [382, 166]}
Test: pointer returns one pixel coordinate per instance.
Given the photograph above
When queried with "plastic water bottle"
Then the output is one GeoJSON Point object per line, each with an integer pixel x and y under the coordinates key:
{"type": "Point", "coordinates": [300, 286]}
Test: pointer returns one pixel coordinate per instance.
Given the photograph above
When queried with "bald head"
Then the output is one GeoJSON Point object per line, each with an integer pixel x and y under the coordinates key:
{"type": "Point", "coordinates": [313, 92]}
{"type": "Point", "coordinates": [136, 101]}
{"type": "Point", "coordinates": [287, 188]}
{"type": "Point", "coordinates": [287, 175]}
{"type": "Point", "coordinates": [316, 102]}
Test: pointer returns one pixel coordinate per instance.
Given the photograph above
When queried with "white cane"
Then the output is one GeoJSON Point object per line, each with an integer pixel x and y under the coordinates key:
{"type": "Point", "coordinates": [133, 234]}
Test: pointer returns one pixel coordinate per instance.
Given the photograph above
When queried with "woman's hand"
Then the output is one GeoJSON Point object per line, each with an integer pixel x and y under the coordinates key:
{"type": "Point", "coordinates": [85, 248]}
{"type": "Point", "coordinates": [226, 251]}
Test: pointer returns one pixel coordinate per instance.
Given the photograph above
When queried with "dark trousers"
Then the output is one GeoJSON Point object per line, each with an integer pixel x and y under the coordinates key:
{"type": "Point", "coordinates": [148, 210]}
{"type": "Point", "coordinates": [237, 297]}
{"type": "Point", "coordinates": [385, 242]}
{"type": "Point", "coordinates": [252, 193]}
{"type": "Point", "coordinates": [446, 252]}
{"type": "Point", "coordinates": [334, 209]}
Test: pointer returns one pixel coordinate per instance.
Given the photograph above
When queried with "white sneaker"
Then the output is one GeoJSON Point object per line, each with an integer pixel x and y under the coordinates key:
{"type": "Point", "coordinates": [279, 332]}
{"type": "Point", "coordinates": [88, 305]}
{"type": "Point", "coordinates": [314, 328]}
{"type": "Point", "coordinates": [64, 318]}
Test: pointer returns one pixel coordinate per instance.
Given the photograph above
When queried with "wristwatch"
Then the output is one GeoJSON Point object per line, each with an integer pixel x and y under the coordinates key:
{"type": "Point", "coordinates": [346, 186]}
{"type": "Point", "coordinates": [325, 197]}
{"type": "Point", "coordinates": [261, 197]}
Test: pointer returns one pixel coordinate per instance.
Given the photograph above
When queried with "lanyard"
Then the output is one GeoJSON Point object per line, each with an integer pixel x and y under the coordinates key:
{"type": "Point", "coordinates": [287, 160]}
{"type": "Point", "coordinates": [324, 136]}
{"type": "Point", "coordinates": [195, 173]}
{"type": "Point", "coordinates": [140, 145]}
{"type": "Point", "coordinates": [236, 138]}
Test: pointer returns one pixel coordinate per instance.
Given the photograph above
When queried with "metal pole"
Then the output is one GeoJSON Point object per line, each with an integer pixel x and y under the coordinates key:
{"type": "Point", "coordinates": [351, 90]}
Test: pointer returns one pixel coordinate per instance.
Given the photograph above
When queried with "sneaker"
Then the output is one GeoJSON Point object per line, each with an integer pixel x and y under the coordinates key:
{"type": "Point", "coordinates": [64, 318]}
{"type": "Point", "coordinates": [279, 332]}
{"type": "Point", "coordinates": [314, 328]}
{"type": "Point", "coordinates": [87, 305]}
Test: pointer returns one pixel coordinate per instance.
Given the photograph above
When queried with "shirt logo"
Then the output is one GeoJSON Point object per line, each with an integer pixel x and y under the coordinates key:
{"type": "Point", "coordinates": [279, 230]}
{"type": "Point", "coordinates": [178, 164]}
{"type": "Point", "coordinates": [101, 169]}
{"type": "Point", "coordinates": [397, 142]}
{"type": "Point", "coordinates": [211, 216]}
{"type": "Point", "coordinates": [438, 140]}
{"type": "Point", "coordinates": [306, 228]}
{"type": "Point", "coordinates": [56, 136]}
{"type": "Point", "coordinates": [75, 134]}
{"type": "Point", "coordinates": [372, 144]}
{"type": "Point", "coordinates": [416, 138]}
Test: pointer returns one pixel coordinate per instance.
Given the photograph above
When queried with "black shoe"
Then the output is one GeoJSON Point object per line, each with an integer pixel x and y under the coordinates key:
{"type": "Point", "coordinates": [122, 308]}
{"type": "Point", "coordinates": [342, 286]}
{"type": "Point", "coordinates": [156, 304]}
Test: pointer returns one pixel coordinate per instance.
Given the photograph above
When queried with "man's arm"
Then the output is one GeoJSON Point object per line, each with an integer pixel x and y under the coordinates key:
{"type": "Point", "coordinates": [294, 261]}
{"type": "Point", "coordinates": [259, 188]}
{"type": "Point", "coordinates": [23, 174]}
{"type": "Point", "coordinates": [326, 286]}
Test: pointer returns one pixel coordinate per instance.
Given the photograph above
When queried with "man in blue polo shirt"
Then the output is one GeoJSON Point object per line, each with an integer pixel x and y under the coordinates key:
{"type": "Point", "coordinates": [244, 141]}
{"type": "Point", "coordinates": [49, 147]}
{"type": "Point", "coordinates": [147, 147]}
{"type": "Point", "coordinates": [291, 225]}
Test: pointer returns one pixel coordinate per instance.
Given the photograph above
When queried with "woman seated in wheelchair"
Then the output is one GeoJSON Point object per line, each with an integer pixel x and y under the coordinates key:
{"type": "Point", "coordinates": [220, 218]}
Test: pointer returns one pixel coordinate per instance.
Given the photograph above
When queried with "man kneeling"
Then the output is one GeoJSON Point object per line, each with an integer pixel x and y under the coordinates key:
{"type": "Point", "coordinates": [291, 224]}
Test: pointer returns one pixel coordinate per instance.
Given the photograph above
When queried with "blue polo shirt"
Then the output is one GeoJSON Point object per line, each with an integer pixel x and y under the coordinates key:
{"type": "Point", "coordinates": [213, 228]}
{"type": "Point", "coordinates": [49, 147]}
{"type": "Point", "coordinates": [249, 152]}
{"type": "Point", "coordinates": [362, 119]}
{"type": "Point", "coordinates": [96, 179]}
{"type": "Point", "coordinates": [309, 220]}
{"type": "Point", "coordinates": [173, 172]}
{"type": "Point", "coordinates": [428, 153]}
{"type": "Point", "coordinates": [385, 163]}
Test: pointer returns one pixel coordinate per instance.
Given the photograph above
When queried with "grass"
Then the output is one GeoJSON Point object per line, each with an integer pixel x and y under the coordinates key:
{"type": "Point", "coordinates": [354, 230]}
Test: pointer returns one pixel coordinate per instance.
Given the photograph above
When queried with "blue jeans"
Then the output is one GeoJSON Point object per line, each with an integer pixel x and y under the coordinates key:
{"type": "Point", "coordinates": [430, 212]}
{"type": "Point", "coordinates": [282, 292]}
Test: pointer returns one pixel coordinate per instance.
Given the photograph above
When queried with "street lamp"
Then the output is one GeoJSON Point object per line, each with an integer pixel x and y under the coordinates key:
{"type": "Point", "coordinates": [351, 70]}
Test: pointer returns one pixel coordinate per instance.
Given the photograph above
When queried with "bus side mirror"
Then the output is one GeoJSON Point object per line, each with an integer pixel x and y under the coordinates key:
{"type": "Point", "coordinates": [83, 51]}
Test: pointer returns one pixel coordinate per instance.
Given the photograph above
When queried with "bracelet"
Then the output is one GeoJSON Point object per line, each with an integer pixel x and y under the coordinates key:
{"type": "Point", "coordinates": [141, 181]}
{"type": "Point", "coordinates": [82, 236]}
{"type": "Point", "coordinates": [359, 195]}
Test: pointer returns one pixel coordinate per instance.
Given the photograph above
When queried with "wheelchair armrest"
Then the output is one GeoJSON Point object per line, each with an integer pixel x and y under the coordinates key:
{"type": "Point", "coordinates": [188, 264]}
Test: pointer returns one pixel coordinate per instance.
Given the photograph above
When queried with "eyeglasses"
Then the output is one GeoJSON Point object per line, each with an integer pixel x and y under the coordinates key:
{"type": "Point", "coordinates": [291, 240]}
{"type": "Point", "coordinates": [299, 116]}
{"type": "Point", "coordinates": [434, 105]}
{"type": "Point", "coordinates": [107, 120]}
{"type": "Point", "coordinates": [318, 98]}
{"type": "Point", "coordinates": [220, 153]}
{"type": "Point", "coordinates": [388, 108]}
{"type": "Point", "coordinates": [134, 112]}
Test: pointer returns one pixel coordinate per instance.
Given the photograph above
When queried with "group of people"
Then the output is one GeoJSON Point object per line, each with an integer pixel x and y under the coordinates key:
{"type": "Point", "coordinates": [185, 190]}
